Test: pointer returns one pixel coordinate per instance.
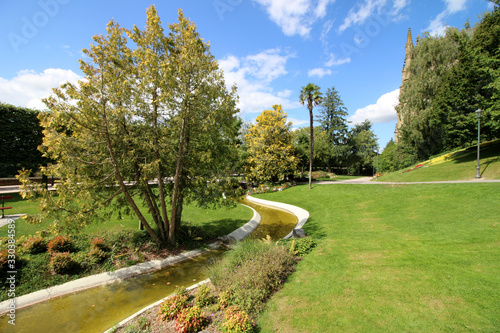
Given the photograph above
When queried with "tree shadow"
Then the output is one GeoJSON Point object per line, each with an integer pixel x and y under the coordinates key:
{"type": "Point", "coordinates": [490, 150]}
{"type": "Point", "coordinates": [219, 227]}
{"type": "Point", "coordinates": [313, 229]}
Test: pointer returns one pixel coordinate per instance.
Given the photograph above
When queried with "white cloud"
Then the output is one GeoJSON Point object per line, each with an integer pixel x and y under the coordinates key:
{"type": "Point", "coordinates": [295, 17]}
{"type": "Point", "coordinates": [319, 72]}
{"type": "Point", "coordinates": [360, 14]}
{"type": "Point", "coordinates": [28, 87]}
{"type": "Point", "coordinates": [333, 61]}
{"type": "Point", "coordinates": [438, 26]}
{"type": "Point", "coordinates": [453, 6]}
{"type": "Point", "coordinates": [296, 122]}
{"type": "Point", "coordinates": [382, 112]}
{"type": "Point", "coordinates": [253, 75]}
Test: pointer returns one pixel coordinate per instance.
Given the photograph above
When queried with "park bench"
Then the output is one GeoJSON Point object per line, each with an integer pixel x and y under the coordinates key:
{"type": "Point", "coordinates": [3, 208]}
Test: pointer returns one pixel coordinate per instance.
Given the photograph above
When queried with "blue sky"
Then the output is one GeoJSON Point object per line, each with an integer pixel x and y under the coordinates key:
{"type": "Point", "coordinates": [269, 48]}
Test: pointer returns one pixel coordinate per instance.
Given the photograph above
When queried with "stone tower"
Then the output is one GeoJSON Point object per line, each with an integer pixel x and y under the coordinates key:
{"type": "Point", "coordinates": [406, 76]}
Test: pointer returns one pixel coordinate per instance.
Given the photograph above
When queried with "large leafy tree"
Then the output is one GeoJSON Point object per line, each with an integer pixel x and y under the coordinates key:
{"type": "Point", "coordinates": [22, 134]}
{"type": "Point", "coordinates": [422, 127]}
{"type": "Point", "coordinates": [271, 154]}
{"type": "Point", "coordinates": [451, 77]}
{"type": "Point", "coordinates": [333, 122]}
{"type": "Point", "coordinates": [157, 112]}
{"type": "Point", "coordinates": [311, 96]}
{"type": "Point", "coordinates": [363, 146]}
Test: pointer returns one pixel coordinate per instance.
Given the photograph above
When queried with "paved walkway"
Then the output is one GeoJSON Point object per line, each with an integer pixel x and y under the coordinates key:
{"type": "Point", "coordinates": [369, 181]}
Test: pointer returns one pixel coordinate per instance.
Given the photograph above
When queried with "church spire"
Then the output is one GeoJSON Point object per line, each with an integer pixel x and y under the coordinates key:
{"type": "Point", "coordinates": [406, 76]}
{"type": "Point", "coordinates": [408, 56]}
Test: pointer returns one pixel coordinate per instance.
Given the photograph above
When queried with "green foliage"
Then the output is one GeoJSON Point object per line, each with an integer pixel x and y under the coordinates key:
{"type": "Point", "coordinates": [63, 263]}
{"type": "Point", "coordinates": [451, 77]}
{"type": "Point", "coordinates": [158, 110]}
{"type": "Point", "coordinates": [60, 243]}
{"type": "Point", "coordinates": [270, 151]}
{"type": "Point", "coordinates": [23, 134]}
{"type": "Point", "coordinates": [332, 118]}
{"type": "Point", "coordinates": [171, 308]}
{"type": "Point", "coordinates": [190, 320]}
{"type": "Point", "coordinates": [251, 272]}
{"type": "Point", "coordinates": [394, 157]}
{"type": "Point", "coordinates": [203, 296]}
{"type": "Point", "coordinates": [35, 245]}
{"type": "Point", "coordinates": [237, 321]}
{"type": "Point", "coordinates": [362, 144]}
{"type": "Point", "coordinates": [300, 246]}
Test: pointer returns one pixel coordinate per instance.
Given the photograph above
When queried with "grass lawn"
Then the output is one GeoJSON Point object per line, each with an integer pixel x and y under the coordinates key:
{"type": "Point", "coordinates": [405, 258]}
{"type": "Point", "coordinates": [214, 222]}
{"type": "Point", "coordinates": [461, 166]}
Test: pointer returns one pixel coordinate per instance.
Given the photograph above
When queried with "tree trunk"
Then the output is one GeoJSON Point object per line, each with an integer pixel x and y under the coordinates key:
{"type": "Point", "coordinates": [175, 194]}
{"type": "Point", "coordinates": [118, 175]}
{"type": "Point", "coordinates": [311, 152]}
{"type": "Point", "coordinates": [159, 174]}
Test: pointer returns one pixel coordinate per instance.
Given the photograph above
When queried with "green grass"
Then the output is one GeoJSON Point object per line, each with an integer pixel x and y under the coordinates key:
{"type": "Point", "coordinates": [216, 222]}
{"type": "Point", "coordinates": [461, 166]}
{"type": "Point", "coordinates": [404, 258]}
{"type": "Point", "coordinates": [339, 177]}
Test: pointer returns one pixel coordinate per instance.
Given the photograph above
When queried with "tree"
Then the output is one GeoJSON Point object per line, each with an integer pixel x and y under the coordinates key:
{"type": "Point", "coordinates": [363, 146]}
{"type": "Point", "coordinates": [333, 121]}
{"type": "Point", "coordinates": [422, 126]}
{"type": "Point", "coordinates": [270, 150]}
{"type": "Point", "coordinates": [311, 95]}
{"type": "Point", "coordinates": [301, 141]}
{"type": "Point", "coordinates": [22, 135]}
{"type": "Point", "coordinates": [161, 110]}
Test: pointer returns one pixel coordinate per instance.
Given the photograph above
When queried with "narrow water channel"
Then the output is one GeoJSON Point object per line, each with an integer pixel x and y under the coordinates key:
{"type": "Point", "coordinates": [97, 309]}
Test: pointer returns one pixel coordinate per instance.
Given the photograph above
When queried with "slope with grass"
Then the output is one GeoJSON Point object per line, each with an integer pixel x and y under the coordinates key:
{"type": "Point", "coordinates": [458, 165]}
{"type": "Point", "coordinates": [420, 258]}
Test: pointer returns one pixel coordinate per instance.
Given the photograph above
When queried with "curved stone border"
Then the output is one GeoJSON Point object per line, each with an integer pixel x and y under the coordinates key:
{"type": "Point", "coordinates": [245, 230]}
{"type": "Point", "coordinates": [242, 232]}
{"type": "Point", "coordinates": [301, 214]}
{"type": "Point", "coordinates": [122, 273]}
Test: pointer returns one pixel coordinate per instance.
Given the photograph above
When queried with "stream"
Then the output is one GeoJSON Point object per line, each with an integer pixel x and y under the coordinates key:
{"type": "Point", "coordinates": [97, 309]}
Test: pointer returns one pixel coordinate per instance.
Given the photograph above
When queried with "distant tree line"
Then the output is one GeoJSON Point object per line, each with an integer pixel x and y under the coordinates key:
{"type": "Point", "coordinates": [451, 77]}
{"type": "Point", "coordinates": [21, 135]}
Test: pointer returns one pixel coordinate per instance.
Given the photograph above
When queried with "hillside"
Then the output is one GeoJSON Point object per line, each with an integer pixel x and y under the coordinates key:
{"type": "Point", "coordinates": [457, 165]}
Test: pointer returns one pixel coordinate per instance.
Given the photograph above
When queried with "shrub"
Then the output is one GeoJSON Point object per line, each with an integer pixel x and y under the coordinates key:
{"type": "Point", "coordinates": [60, 244]}
{"type": "Point", "coordinates": [203, 296]}
{"type": "Point", "coordinates": [35, 245]}
{"type": "Point", "coordinates": [300, 246]}
{"type": "Point", "coordinates": [63, 263]}
{"type": "Point", "coordinates": [190, 320]}
{"type": "Point", "coordinates": [169, 309]}
{"type": "Point", "coordinates": [98, 243]}
{"type": "Point", "coordinates": [237, 321]}
{"type": "Point", "coordinates": [251, 272]}
{"type": "Point", "coordinates": [96, 255]}
{"type": "Point", "coordinates": [4, 256]}
{"type": "Point", "coordinates": [304, 245]}
{"type": "Point", "coordinates": [225, 299]}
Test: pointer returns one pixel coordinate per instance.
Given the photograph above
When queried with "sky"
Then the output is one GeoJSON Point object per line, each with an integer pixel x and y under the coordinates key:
{"type": "Point", "coordinates": [269, 48]}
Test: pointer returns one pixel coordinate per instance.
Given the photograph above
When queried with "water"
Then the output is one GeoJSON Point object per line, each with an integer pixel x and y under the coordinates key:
{"type": "Point", "coordinates": [99, 308]}
{"type": "Point", "coordinates": [275, 222]}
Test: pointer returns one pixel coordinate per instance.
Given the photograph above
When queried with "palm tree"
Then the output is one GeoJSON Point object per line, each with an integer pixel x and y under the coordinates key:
{"type": "Point", "coordinates": [312, 96]}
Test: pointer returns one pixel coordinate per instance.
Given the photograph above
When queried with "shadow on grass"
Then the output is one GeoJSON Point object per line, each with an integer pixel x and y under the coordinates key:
{"type": "Point", "coordinates": [490, 150]}
{"type": "Point", "coordinates": [313, 229]}
{"type": "Point", "coordinates": [220, 227]}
